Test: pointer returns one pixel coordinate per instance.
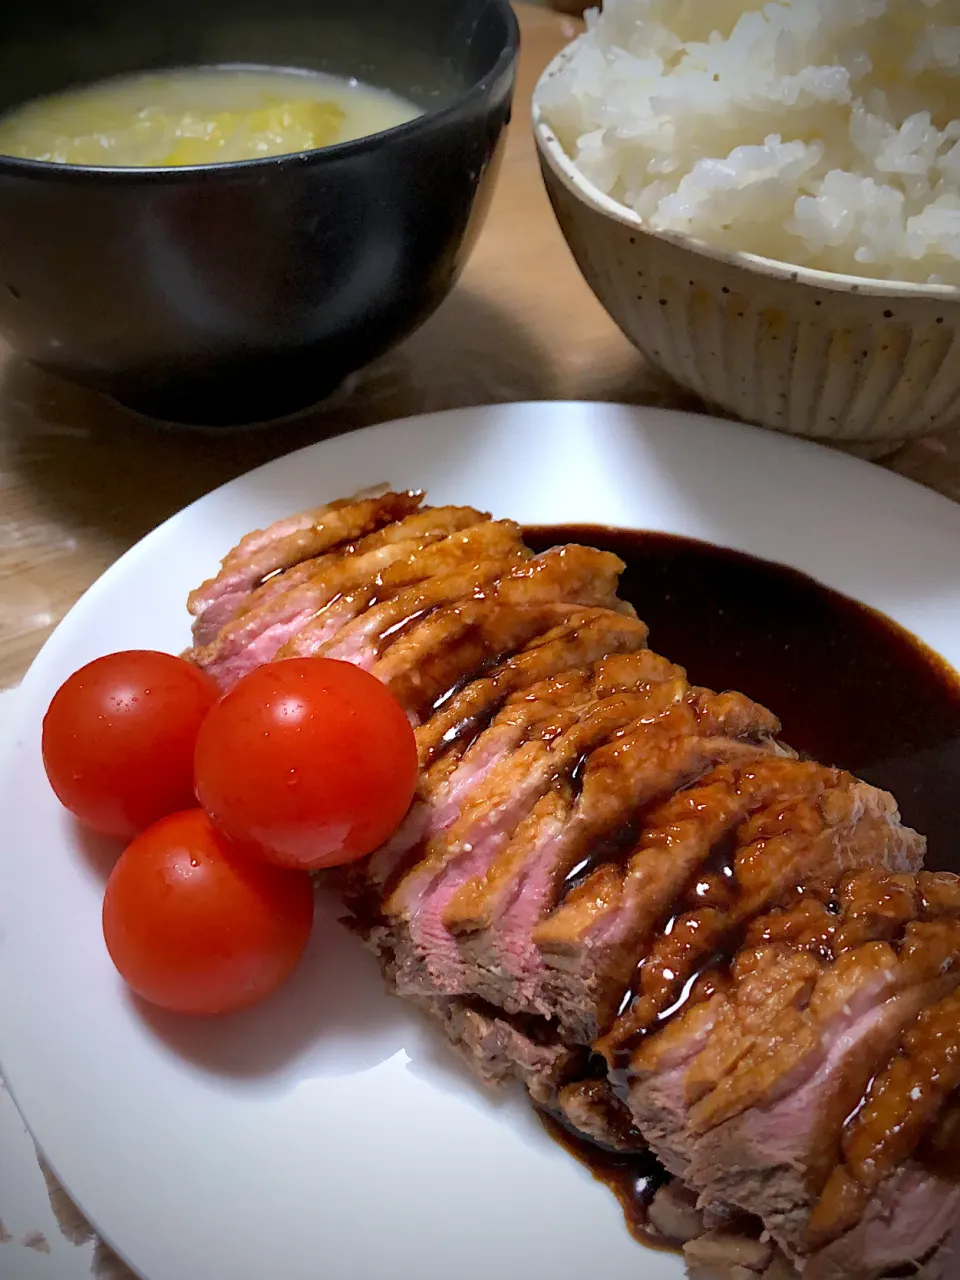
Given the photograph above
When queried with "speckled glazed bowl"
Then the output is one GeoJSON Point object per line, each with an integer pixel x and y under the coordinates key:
{"type": "Point", "coordinates": [828, 356]}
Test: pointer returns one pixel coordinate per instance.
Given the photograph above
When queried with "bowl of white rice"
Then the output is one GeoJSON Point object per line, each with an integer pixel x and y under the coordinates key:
{"type": "Point", "coordinates": [767, 202]}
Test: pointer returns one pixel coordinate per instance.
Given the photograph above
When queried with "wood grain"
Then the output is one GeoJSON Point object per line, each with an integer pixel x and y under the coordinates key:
{"type": "Point", "coordinates": [81, 480]}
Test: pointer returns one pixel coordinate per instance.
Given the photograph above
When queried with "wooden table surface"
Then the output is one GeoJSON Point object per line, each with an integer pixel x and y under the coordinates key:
{"type": "Point", "coordinates": [81, 480]}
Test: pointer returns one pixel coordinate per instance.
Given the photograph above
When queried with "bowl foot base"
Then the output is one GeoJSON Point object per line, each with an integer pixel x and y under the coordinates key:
{"type": "Point", "coordinates": [229, 408]}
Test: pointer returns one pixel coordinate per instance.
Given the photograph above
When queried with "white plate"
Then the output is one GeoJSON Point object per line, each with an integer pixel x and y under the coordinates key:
{"type": "Point", "coordinates": [328, 1133]}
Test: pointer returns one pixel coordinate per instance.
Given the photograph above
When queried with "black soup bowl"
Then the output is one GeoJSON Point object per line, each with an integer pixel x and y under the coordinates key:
{"type": "Point", "coordinates": [241, 292]}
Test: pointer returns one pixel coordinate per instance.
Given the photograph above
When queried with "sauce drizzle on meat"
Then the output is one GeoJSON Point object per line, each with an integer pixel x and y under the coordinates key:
{"type": "Point", "coordinates": [609, 865]}
{"type": "Point", "coordinates": [852, 688]}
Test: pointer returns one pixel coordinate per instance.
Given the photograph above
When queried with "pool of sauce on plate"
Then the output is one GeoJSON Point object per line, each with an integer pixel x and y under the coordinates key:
{"type": "Point", "coordinates": [852, 689]}
{"type": "Point", "coordinates": [633, 1179]}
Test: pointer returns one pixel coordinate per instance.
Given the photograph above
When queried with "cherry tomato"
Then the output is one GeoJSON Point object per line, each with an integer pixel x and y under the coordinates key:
{"type": "Point", "coordinates": [312, 760]}
{"type": "Point", "coordinates": [195, 925]}
{"type": "Point", "coordinates": [119, 737]}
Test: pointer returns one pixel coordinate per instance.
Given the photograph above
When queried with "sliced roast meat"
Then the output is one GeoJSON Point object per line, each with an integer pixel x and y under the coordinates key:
{"type": "Point", "coordinates": [902, 1101]}
{"type": "Point", "coordinates": [427, 525]}
{"type": "Point", "coordinates": [485, 826]}
{"type": "Point", "coordinates": [501, 1049]}
{"type": "Point", "coordinates": [909, 1228]}
{"type": "Point", "coordinates": [220, 598]}
{"type": "Point", "coordinates": [595, 937]}
{"type": "Point", "coordinates": [622, 891]}
{"type": "Point", "coordinates": [562, 575]}
{"type": "Point", "coordinates": [286, 543]}
{"type": "Point", "coordinates": [580, 640]}
{"type": "Point", "coordinates": [464, 561]}
{"type": "Point", "coordinates": [452, 784]}
{"type": "Point", "coordinates": [753, 1094]}
{"type": "Point", "coordinates": [343, 583]}
{"type": "Point", "coordinates": [831, 825]}
{"type": "Point", "coordinates": [425, 664]}
{"type": "Point", "coordinates": [678, 733]}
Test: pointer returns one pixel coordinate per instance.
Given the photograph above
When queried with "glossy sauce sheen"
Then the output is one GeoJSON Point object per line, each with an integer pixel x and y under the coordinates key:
{"type": "Point", "coordinates": [634, 1180]}
{"type": "Point", "coordinates": [852, 689]}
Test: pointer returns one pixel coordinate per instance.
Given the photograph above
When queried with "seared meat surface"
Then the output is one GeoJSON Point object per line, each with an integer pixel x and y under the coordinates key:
{"type": "Point", "coordinates": [623, 891]}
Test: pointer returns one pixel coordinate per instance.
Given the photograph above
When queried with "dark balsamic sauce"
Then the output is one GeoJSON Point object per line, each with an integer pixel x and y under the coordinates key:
{"type": "Point", "coordinates": [633, 1178]}
{"type": "Point", "coordinates": [852, 689]}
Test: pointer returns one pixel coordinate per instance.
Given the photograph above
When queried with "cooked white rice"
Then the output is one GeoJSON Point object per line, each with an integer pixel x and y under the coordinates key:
{"type": "Point", "coordinates": [824, 133]}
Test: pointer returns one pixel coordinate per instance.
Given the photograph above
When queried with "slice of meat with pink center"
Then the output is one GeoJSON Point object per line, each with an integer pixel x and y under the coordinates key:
{"type": "Point", "coordinates": [498, 916]}
{"type": "Point", "coordinates": [747, 1094]}
{"type": "Point", "coordinates": [286, 543]}
{"type": "Point", "coordinates": [461, 561]}
{"type": "Point", "coordinates": [449, 785]}
{"type": "Point", "coordinates": [562, 575]}
{"type": "Point", "coordinates": [834, 825]}
{"type": "Point", "coordinates": [656, 689]}
{"type": "Point", "coordinates": [422, 527]}
{"type": "Point", "coordinates": [592, 941]}
{"type": "Point", "coordinates": [898, 1107]}
{"type": "Point", "coordinates": [581, 639]}
{"type": "Point", "coordinates": [429, 660]}
{"type": "Point", "coordinates": [493, 812]}
{"type": "Point", "coordinates": [343, 585]}
{"type": "Point", "coordinates": [911, 1227]}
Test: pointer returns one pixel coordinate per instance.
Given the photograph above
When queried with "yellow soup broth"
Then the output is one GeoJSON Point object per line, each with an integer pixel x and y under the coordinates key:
{"type": "Point", "coordinates": [200, 115]}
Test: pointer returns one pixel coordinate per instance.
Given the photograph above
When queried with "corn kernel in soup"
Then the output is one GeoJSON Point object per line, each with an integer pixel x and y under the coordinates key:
{"type": "Point", "coordinates": [200, 115]}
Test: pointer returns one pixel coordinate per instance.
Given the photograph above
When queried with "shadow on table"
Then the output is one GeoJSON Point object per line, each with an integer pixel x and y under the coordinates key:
{"type": "Point", "coordinates": [634, 380]}
{"type": "Point", "coordinates": [91, 463]}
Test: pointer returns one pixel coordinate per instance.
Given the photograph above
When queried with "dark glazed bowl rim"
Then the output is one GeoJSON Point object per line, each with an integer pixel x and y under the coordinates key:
{"type": "Point", "coordinates": [51, 171]}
